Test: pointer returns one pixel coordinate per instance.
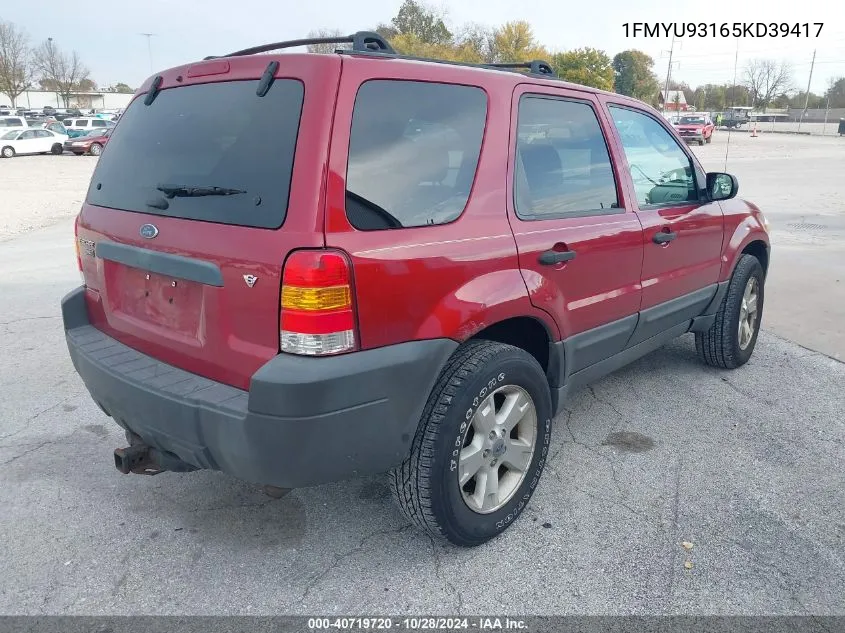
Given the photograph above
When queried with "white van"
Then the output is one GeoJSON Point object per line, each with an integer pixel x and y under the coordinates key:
{"type": "Point", "coordinates": [86, 123]}
{"type": "Point", "coordinates": [8, 122]}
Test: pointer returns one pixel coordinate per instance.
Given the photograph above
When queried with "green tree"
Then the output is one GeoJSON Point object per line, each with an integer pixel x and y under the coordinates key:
{"type": "Point", "coordinates": [477, 41]}
{"type": "Point", "coordinates": [122, 88]}
{"type": "Point", "coordinates": [634, 76]}
{"type": "Point", "coordinates": [515, 42]}
{"type": "Point", "coordinates": [585, 66]}
{"type": "Point", "coordinates": [422, 22]}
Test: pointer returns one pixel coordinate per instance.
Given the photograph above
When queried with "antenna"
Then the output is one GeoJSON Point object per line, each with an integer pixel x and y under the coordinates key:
{"type": "Point", "coordinates": [736, 61]}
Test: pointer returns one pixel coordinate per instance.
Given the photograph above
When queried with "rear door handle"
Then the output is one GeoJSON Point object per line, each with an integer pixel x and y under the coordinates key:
{"type": "Point", "coordinates": [550, 258]}
{"type": "Point", "coordinates": [663, 237]}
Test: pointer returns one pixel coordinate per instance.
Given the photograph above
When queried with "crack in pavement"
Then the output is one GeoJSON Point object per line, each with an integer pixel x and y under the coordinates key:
{"type": "Point", "coordinates": [36, 318]}
{"type": "Point", "coordinates": [25, 453]}
{"type": "Point", "coordinates": [339, 558]}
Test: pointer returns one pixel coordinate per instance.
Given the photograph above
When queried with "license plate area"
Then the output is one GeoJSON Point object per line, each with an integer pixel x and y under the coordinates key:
{"type": "Point", "coordinates": [163, 301]}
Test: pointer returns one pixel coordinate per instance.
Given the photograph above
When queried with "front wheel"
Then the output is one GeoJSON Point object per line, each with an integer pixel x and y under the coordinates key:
{"type": "Point", "coordinates": [480, 447]}
{"type": "Point", "coordinates": [56, 149]}
{"type": "Point", "coordinates": [7, 152]}
{"type": "Point", "coordinates": [730, 342]}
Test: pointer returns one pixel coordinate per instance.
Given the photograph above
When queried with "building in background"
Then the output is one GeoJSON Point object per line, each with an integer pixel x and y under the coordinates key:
{"type": "Point", "coordinates": [673, 100]}
{"type": "Point", "coordinates": [99, 100]}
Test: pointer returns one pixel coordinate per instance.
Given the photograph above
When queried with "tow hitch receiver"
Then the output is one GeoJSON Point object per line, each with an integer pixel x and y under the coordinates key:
{"type": "Point", "coordinates": [136, 459]}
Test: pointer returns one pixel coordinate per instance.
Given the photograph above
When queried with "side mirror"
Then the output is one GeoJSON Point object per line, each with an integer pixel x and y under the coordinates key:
{"type": "Point", "coordinates": [721, 186]}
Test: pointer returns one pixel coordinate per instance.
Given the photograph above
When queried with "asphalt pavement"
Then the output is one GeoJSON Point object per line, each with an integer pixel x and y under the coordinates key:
{"type": "Point", "coordinates": [671, 488]}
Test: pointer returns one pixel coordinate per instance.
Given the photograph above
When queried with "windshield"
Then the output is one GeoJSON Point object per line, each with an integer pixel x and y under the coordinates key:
{"type": "Point", "coordinates": [8, 136]}
{"type": "Point", "coordinates": [692, 120]}
{"type": "Point", "coordinates": [205, 136]}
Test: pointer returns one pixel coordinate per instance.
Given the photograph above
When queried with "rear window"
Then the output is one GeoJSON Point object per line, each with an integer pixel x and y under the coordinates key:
{"type": "Point", "coordinates": [11, 122]}
{"type": "Point", "coordinates": [194, 139]}
{"type": "Point", "coordinates": [413, 153]}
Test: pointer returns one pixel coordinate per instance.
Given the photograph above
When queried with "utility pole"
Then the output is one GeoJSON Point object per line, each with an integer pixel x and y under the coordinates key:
{"type": "Point", "coordinates": [826, 110]}
{"type": "Point", "coordinates": [668, 74]}
{"type": "Point", "coordinates": [807, 96]}
{"type": "Point", "coordinates": [149, 37]}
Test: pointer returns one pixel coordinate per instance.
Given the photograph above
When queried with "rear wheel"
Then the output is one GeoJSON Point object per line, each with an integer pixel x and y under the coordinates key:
{"type": "Point", "coordinates": [480, 447]}
{"type": "Point", "coordinates": [730, 342]}
{"type": "Point", "coordinates": [7, 152]}
{"type": "Point", "coordinates": [56, 149]}
{"type": "Point", "coordinates": [95, 149]}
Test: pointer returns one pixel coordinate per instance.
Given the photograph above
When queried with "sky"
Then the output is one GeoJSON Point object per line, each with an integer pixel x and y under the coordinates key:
{"type": "Point", "coordinates": [109, 37]}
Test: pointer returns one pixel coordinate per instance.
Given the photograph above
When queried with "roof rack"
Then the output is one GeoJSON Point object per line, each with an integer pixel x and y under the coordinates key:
{"type": "Point", "coordinates": [538, 68]}
{"type": "Point", "coordinates": [362, 42]}
{"type": "Point", "coordinates": [370, 43]}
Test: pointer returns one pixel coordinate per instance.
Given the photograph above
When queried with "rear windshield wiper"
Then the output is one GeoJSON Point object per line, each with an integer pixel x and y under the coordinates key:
{"type": "Point", "coordinates": [182, 191]}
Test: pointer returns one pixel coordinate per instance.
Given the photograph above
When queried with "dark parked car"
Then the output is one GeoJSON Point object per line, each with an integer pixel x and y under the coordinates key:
{"type": "Point", "coordinates": [301, 268]}
{"type": "Point", "coordinates": [89, 143]}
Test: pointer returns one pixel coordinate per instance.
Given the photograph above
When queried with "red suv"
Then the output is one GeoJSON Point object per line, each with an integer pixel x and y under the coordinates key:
{"type": "Point", "coordinates": [323, 266]}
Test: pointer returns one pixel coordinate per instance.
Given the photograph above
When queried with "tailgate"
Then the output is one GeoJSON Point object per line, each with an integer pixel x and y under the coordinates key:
{"type": "Point", "coordinates": [194, 205]}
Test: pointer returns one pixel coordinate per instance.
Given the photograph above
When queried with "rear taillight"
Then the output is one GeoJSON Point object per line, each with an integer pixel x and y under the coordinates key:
{"type": "Point", "coordinates": [318, 314]}
{"type": "Point", "coordinates": [76, 243]}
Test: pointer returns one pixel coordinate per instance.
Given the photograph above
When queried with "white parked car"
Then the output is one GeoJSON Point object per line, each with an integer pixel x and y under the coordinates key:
{"type": "Point", "coordinates": [31, 141]}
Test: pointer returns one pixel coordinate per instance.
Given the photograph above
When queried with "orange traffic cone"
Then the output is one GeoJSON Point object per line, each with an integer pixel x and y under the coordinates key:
{"type": "Point", "coordinates": [754, 130]}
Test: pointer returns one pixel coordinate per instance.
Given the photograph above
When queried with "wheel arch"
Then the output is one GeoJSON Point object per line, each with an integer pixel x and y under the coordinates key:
{"type": "Point", "coordinates": [525, 332]}
{"type": "Point", "coordinates": [749, 237]}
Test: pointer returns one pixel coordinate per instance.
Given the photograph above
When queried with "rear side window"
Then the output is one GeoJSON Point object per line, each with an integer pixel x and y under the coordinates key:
{"type": "Point", "coordinates": [413, 153]}
{"type": "Point", "coordinates": [563, 166]}
{"type": "Point", "coordinates": [215, 152]}
{"type": "Point", "coordinates": [82, 123]}
{"type": "Point", "coordinates": [98, 123]}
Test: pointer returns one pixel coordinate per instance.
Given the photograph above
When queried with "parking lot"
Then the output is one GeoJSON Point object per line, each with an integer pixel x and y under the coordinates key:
{"type": "Point", "coordinates": [745, 466]}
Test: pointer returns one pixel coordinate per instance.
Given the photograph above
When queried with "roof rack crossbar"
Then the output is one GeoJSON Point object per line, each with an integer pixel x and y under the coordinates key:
{"type": "Point", "coordinates": [537, 68]}
{"type": "Point", "coordinates": [362, 41]}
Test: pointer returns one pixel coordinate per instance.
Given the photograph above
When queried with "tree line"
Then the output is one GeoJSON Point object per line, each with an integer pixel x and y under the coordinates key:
{"type": "Point", "coordinates": [420, 30]}
{"type": "Point", "coordinates": [22, 67]}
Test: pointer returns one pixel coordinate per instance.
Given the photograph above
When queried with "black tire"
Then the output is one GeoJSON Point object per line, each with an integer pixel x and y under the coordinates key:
{"type": "Point", "coordinates": [7, 152]}
{"type": "Point", "coordinates": [57, 149]}
{"type": "Point", "coordinates": [95, 149]}
{"type": "Point", "coordinates": [426, 484]}
{"type": "Point", "coordinates": [720, 346]}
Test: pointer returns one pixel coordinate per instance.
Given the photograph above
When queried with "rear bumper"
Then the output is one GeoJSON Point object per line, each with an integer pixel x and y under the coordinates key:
{"type": "Point", "coordinates": [304, 421]}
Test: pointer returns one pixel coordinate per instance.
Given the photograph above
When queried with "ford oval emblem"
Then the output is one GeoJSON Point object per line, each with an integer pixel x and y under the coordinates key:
{"type": "Point", "coordinates": [149, 231]}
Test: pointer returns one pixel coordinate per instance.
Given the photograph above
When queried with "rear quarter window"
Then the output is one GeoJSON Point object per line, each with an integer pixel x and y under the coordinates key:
{"type": "Point", "coordinates": [413, 153]}
{"type": "Point", "coordinates": [203, 136]}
